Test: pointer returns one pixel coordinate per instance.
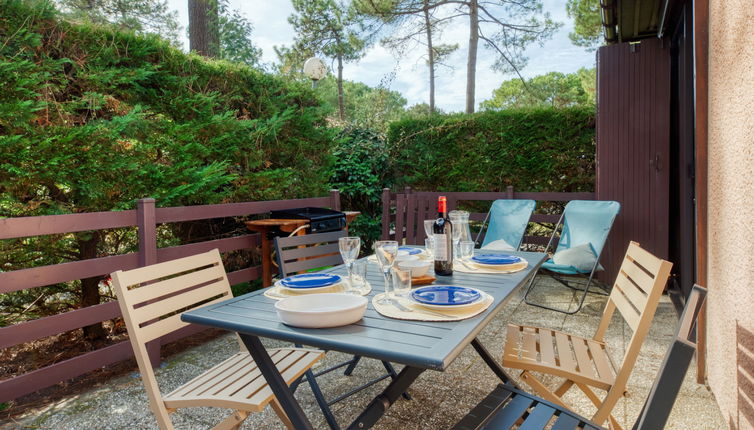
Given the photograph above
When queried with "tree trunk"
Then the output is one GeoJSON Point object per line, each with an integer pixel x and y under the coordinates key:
{"type": "Point", "coordinates": [87, 243]}
{"type": "Point", "coordinates": [471, 65]}
{"type": "Point", "coordinates": [341, 104]}
{"type": "Point", "coordinates": [204, 28]}
{"type": "Point", "coordinates": [431, 57]}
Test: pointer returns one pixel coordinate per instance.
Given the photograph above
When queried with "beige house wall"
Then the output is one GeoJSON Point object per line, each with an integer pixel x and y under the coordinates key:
{"type": "Point", "coordinates": [730, 303]}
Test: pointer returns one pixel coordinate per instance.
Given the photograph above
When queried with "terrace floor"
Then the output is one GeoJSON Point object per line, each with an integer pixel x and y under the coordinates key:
{"type": "Point", "coordinates": [439, 398]}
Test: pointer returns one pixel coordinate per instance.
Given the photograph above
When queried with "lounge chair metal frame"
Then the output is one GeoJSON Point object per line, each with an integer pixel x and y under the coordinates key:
{"type": "Point", "coordinates": [557, 276]}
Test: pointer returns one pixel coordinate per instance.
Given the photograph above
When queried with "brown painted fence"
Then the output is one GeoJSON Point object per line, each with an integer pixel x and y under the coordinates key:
{"type": "Point", "coordinates": [145, 218]}
{"type": "Point", "coordinates": [403, 214]}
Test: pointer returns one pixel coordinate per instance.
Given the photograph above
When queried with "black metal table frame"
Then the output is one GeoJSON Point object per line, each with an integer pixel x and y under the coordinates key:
{"type": "Point", "coordinates": [376, 408]}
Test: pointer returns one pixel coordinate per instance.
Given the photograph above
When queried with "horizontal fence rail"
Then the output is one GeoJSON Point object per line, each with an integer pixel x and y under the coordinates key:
{"type": "Point", "coordinates": [403, 214]}
{"type": "Point", "coordinates": [145, 219]}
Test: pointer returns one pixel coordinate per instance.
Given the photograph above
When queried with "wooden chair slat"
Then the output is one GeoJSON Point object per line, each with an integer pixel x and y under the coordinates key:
{"type": "Point", "coordinates": [167, 268]}
{"type": "Point", "coordinates": [626, 309]}
{"type": "Point", "coordinates": [250, 382]}
{"type": "Point", "coordinates": [643, 257]}
{"type": "Point", "coordinates": [225, 369]}
{"type": "Point", "coordinates": [529, 350]}
{"type": "Point", "coordinates": [312, 251]}
{"type": "Point", "coordinates": [600, 358]}
{"type": "Point", "coordinates": [293, 371]}
{"type": "Point", "coordinates": [169, 286]}
{"type": "Point", "coordinates": [582, 357]}
{"type": "Point", "coordinates": [642, 279]}
{"type": "Point", "coordinates": [637, 297]}
{"type": "Point", "coordinates": [178, 302]}
{"type": "Point", "coordinates": [564, 352]}
{"type": "Point", "coordinates": [546, 350]}
{"type": "Point", "coordinates": [511, 338]}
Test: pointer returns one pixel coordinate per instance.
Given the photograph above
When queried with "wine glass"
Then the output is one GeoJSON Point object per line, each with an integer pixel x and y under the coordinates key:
{"type": "Point", "coordinates": [349, 249]}
{"type": "Point", "coordinates": [429, 226]}
{"type": "Point", "coordinates": [386, 251]}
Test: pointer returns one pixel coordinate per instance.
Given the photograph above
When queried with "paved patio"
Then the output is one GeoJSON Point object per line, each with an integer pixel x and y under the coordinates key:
{"type": "Point", "coordinates": [439, 399]}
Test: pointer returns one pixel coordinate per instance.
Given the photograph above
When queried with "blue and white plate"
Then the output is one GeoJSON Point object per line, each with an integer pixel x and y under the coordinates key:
{"type": "Point", "coordinates": [310, 280]}
{"type": "Point", "coordinates": [496, 259]}
{"type": "Point", "coordinates": [446, 296]}
{"type": "Point", "coordinates": [410, 250]}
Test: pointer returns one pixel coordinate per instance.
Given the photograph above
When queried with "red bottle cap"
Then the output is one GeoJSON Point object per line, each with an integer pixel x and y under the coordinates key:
{"type": "Point", "coordinates": [442, 204]}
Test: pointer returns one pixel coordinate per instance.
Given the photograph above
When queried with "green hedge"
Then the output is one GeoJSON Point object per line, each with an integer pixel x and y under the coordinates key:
{"type": "Point", "coordinates": [532, 149]}
{"type": "Point", "coordinates": [92, 118]}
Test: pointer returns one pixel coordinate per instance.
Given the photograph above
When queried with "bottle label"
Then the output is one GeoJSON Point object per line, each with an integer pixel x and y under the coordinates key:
{"type": "Point", "coordinates": [441, 247]}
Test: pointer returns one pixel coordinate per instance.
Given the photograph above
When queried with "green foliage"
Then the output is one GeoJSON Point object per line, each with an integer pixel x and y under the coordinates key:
{"type": "Point", "coordinates": [360, 173]}
{"type": "Point", "coordinates": [553, 89]}
{"type": "Point", "coordinates": [530, 149]}
{"type": "Point", "coordinates": [92, 118]}
{"type": "Point", "coordinates": [365, 106]}
{"type": "Point", "coordinates": [141, 16]}
{"type": "Point", "coordinates": [235, 37]}
{"type": "Point", "coordinates": [587, 28]}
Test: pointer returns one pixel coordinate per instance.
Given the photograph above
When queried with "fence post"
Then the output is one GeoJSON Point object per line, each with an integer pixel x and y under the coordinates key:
{"type": "Point", "coordinates": [146, 222]}
{"type": "Point", "coordinates": [386, 214]}
{"type": "Point", "coordinates": [335, 200]}
{"type": "Point", "coordinates": [509, 192]}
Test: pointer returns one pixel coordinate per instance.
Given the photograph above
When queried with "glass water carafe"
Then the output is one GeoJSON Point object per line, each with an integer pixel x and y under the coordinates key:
{"type": "Point", "coordinates": [461, 229]}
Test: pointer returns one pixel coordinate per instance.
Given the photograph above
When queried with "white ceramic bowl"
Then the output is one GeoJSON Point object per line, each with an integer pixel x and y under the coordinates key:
{"type": "Point", "coordinates": [417, 267]}
{"type": "Point", "coordinates": [321, 310]}
{"type": "Point", "coordinates": [401, 258]}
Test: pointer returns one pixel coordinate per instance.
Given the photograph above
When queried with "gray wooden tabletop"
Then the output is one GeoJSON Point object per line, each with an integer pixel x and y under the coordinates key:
{"type": "Point", "coordinates": [429, 345]}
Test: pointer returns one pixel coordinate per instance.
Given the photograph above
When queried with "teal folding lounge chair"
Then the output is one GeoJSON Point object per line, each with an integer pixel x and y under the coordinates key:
{"type": "Point", "coordinates": [508, 221]}
{"type": "Point", "coordinates": [585, 222]}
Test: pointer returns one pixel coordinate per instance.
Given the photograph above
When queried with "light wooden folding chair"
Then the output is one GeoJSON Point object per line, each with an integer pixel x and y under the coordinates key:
{"type": "Point", "coordinates": [151, 300]}
{"type": "Point", "coordinates": [586, 363]}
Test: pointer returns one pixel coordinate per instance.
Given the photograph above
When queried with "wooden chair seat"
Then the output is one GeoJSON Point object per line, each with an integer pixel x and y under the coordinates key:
{"type": "Point", "coordinates": [237, 383]}
{"type": "Point", "coordinates": [579, 359]}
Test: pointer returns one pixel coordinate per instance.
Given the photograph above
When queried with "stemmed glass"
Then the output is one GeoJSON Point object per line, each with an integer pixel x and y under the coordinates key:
{"type": "Point", "coordinates": [349, 249]}
{"type": "Point", "coordinates": [386, 251]}
{"type": "Point", "coordinates": [429, 242]}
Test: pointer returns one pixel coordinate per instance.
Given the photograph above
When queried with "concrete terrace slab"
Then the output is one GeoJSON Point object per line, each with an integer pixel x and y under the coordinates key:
{"type": "Point", "coordinates": [439, 399]}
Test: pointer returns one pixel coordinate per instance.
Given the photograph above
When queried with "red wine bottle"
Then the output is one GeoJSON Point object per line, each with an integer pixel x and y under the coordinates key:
{"type": "Point", "coordinates": [443, 234]}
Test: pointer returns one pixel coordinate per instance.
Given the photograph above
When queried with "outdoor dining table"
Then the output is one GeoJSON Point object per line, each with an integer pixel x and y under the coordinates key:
{"type": "Point", "coordinates": [418, 345]}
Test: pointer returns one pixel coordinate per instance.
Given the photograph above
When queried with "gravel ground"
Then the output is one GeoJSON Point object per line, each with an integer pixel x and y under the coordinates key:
{"type": "Point", "coordinates": [439, 398]}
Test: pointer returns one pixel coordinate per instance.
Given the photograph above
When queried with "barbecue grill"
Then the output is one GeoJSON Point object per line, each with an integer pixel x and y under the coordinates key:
{"type": "Point", "coordinates": [320, 219]}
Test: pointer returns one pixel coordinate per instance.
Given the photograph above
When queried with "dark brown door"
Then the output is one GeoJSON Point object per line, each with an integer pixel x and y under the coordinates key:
{"type": "Point", "coordinates": [633, 153]}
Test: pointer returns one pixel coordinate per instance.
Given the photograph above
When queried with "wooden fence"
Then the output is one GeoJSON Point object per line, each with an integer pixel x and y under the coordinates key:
{"type": "Point", "coordinates": [145, 218]}
{"type": "Point", "coordinates": [403, 214]}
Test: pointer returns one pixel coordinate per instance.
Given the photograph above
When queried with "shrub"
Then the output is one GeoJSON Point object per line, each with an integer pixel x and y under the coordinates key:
{"type": "Point", "coordinates": [545, 149]}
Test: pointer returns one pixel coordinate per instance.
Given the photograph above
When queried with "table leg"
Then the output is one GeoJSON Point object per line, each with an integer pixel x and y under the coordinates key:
{"type": "Point", "coordinates": [491, 362]}
{"type": "Point", "coordinates": [266, 260]}
{"type": "Point", "coordinates": [276, 382]}
{"type": "Point", "coordinates": [384, 400]}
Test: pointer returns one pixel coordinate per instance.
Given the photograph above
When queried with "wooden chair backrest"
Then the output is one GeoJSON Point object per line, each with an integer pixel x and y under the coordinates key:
{"type": "Point", "coordinates": [662, 396]}
{"type": "Point", "coordinates": [311, 251]}
{"type": "Point", "coordinates": [152, 299]}
{"type": "Point", "coordinates": [635, 294]}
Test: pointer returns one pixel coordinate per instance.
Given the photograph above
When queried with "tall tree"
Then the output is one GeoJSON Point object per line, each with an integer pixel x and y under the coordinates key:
{"type": "Point", "coordinates": [587, 23]}
{"type": "Point", "coordinates": [553, 89]}
{"type": "Point", "coordinates": [506, 27]}
{"type": "Point", "coordinates": [330, 28]}
{"type": "Point", "coordinates": [235, 37]}
{"type": "Point", "coordinates": [411, 23]}
{"type": "Point", "coordinates": [204, 27]}
{"type": "Point", "coordinates": [141, 16]}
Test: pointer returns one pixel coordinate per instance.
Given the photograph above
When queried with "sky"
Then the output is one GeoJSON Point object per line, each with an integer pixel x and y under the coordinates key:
{"type": "Point", "coordinates": [409, 75]}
